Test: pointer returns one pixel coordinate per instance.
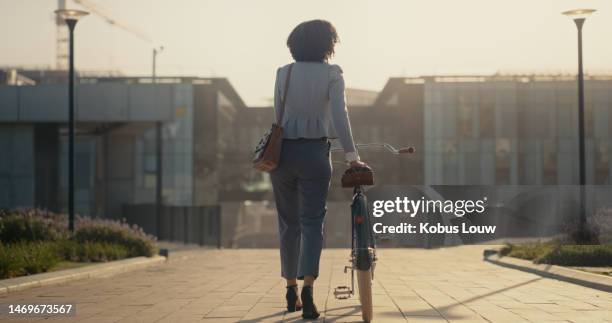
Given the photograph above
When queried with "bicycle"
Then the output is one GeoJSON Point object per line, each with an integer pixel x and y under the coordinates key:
{"type": "Point", "coordinates": [363, 243]}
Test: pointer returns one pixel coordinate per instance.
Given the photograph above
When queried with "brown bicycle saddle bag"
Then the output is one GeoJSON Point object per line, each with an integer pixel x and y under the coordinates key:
{"type": "Point", "coordinates": [357, 176]}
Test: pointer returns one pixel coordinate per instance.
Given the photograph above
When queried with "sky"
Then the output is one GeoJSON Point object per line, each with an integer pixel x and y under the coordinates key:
{"type": "Point", "coordinates": [245, 40]}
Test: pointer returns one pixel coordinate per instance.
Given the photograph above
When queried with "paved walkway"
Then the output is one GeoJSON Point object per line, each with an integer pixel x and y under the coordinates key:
{"type": "Point", "coordinates": [411, 285]}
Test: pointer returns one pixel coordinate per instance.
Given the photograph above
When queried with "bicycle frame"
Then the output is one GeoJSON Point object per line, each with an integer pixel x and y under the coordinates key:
{"type": "Point", "coordinates": [363, 237]}
{"type": "Point", "coordinates": [363, 242]}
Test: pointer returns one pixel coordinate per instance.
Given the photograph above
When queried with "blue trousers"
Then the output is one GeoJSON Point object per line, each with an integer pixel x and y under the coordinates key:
{"type": "Point", "coordinates": [301, 183]}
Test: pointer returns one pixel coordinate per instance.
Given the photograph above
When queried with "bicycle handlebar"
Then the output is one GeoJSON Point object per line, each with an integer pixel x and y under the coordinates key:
{"type": "Point", "coordinates": [393, 150]}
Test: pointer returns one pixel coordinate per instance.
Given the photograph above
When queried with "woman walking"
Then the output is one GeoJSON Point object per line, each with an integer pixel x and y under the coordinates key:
{"type": "Point", "coordinates": [312, 110]}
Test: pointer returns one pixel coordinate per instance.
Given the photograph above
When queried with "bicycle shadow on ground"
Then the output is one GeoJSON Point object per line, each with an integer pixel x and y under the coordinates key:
{"type": "Point", "coordinates": [355, 312]}
{"type": "Point", "coordinates": [353, 315]}
{"type": "Point", "coordinates": [279, 316]}
{"type": "Point", "coordinates": [325, 316]}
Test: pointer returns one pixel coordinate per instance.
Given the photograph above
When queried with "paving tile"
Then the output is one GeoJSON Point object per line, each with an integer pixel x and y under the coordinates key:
{"type": "Point", "coordinates": [411, 285]}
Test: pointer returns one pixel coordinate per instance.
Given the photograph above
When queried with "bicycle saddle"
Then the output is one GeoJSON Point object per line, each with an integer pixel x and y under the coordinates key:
{"type": "Point", "coordinates": [357, 176]}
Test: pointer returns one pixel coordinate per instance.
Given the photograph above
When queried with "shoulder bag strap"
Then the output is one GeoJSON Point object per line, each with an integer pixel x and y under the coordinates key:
{"type": "Point", "coordinates": [282, 107]}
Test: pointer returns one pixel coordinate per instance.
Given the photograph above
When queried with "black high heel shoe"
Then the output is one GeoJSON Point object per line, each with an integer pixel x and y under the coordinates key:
{"type": "Point", "coordinates": [309, 310]}
{"type": "Point", "coordinates": [292, 299]}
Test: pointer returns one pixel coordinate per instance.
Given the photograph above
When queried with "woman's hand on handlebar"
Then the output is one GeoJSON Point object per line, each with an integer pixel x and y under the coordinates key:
{"type": "Point", "coordinates": [357, 164]}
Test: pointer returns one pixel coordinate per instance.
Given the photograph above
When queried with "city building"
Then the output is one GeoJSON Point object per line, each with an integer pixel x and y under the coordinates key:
{"type": "Point", "coordinates": [511, 138]}
{"type": "Point", "coordinates": [116, 149]}
{"type": "Point", "coordinates": [467, 130]}
{"type": "Point", "coordinates": [480, 130]}
{"type": "Point", "coordinates": [514, 130]}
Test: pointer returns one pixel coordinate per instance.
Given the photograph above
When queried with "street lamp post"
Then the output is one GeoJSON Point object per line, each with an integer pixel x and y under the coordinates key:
{"type": "Point", "coordinates": [156, 50]}
{"type": "Point", "coordinates": [158, 150]}
{"type": "Point", "coordinates": [579, 16]}
{"type": "Point", "coordinates": [71, 17]}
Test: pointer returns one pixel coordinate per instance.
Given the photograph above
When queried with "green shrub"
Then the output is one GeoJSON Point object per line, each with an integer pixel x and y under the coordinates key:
{"type": "Point", "coordinates": [91, 251]}
{"type": "Point", "coordinates": [135, 244]}
{"type": "Point", "coordinates": [589, 235]}
{"type": "Point", "coordinates": [26, 258]}
{"type": "Point", "coordinates": [554, 253]}
{"type": "Point", "coordinates": [33, 241]}
{"type": "Point", "coordinates": [578, 255]}
{"type": "Point", "coordinates": [505, 250]}
{"type": "Point", "coordinates": [99, 251]}
{"type": "Point", "coordinates": [530, 251]}
{"type": "Point", "coordinates": [26, 227]}
{"type": "Point", "coordinates": [38, 256]}
{"type": "Point", "coordinates": [11, 263]}
{"type": "Point", "coordinates": [36, 225]}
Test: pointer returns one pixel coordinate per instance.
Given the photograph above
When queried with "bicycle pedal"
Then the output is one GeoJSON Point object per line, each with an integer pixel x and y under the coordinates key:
{"type": "Point", "coordinates": [342, 292]}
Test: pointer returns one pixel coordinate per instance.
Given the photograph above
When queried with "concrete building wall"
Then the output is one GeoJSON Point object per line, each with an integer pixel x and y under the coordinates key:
{"type": "Point", "coordinates": [9, 103]}
{"type": "Point", "coordinates": [103, 102]}
{"type": "Point", "coordinates": [98, 102]}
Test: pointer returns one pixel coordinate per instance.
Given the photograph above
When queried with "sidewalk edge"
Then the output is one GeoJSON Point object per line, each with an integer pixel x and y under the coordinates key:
{"type": "Point", "coordinates": [586, 279]}
{"type": "Point", "coordinates": [93, 271]}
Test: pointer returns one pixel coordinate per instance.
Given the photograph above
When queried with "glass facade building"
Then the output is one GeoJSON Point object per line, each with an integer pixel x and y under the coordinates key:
{"type": "Point", "coordinates": [467, 130]}
{"type": "Point", "coordinates": [177, 156]}
{"type": "Point", "coordinates": [16, 165]}
{"type": "Point", "coordinates": [514, 130]}
{"type": "Point", "coordinates": [116, 143]}
{"type": "Point", "coordinates": [511, 134]}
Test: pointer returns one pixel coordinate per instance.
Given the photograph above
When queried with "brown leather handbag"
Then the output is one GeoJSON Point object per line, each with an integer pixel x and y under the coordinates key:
{"type": "Point", "coordinates": [267, 153]}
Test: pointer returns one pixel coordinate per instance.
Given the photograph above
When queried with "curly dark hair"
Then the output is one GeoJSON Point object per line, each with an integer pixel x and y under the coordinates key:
{"type": "Point", "coordinates": [312, 41]}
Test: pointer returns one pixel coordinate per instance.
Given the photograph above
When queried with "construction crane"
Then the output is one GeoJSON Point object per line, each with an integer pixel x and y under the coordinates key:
{"type": "Point", "coordinates": [62, 30]}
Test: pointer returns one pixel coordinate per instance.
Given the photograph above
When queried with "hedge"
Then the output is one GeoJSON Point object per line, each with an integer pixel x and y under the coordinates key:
{"type": "Point", "coordinates": [34, 241]}
{"type": "Point", "coordinates": [562, 254]}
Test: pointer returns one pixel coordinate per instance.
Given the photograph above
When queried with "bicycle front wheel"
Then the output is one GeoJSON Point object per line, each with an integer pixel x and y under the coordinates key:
{"type": "Point", "coordinates": [364, 282]}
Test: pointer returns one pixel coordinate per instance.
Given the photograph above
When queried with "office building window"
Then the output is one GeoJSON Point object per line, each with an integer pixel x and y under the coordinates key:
{"type": "Point", "coordinates": [503, 151]}
{"type": "Point", "coordinates": [602, 162]}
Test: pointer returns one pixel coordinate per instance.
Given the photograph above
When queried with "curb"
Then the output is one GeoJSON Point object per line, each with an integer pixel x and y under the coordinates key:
{"type": "Point", "coordinates": [63, 276]}
{"type": "Point", "coordinates": [578, 277]}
